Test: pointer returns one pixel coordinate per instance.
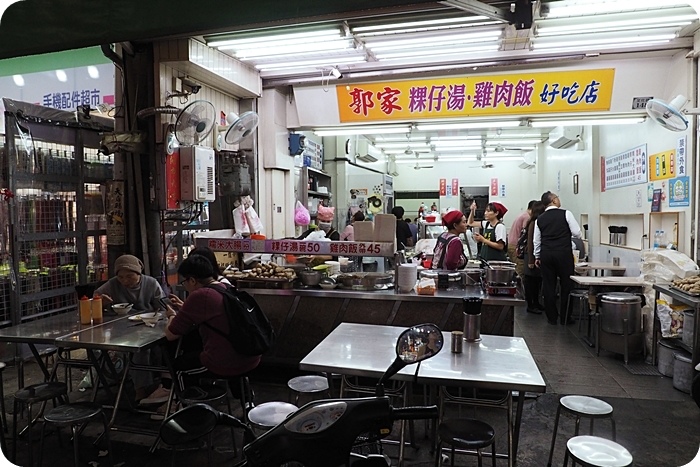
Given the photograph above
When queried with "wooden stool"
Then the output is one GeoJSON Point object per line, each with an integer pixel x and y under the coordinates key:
{"type": "Point", "coordinates": [466, 433]}
{"type": "Point", "coordinates": [310, 384]}
{"type": "Point", "coordinates": [75, 416]}
{"type": "Point", "coordinates": [41, 392]}
{"type": "Point", "coordinates": [592, 451]}
{"type": "Point", "coordinates": [581, 406]}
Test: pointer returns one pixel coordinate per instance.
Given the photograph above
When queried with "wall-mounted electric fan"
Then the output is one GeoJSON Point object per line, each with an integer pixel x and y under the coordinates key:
{"type": "Point", "coordinates": [239, 127]}
{"type": "Point", "coordinates": [671, 115]}
{"type": "Point", "coordinates": [195, 122]}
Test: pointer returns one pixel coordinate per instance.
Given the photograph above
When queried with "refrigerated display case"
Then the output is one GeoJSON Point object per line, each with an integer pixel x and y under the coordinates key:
{"type": "Point", "coordinates": [430, 230]}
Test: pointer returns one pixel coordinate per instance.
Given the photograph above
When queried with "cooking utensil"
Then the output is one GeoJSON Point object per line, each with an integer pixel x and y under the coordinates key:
{"type": "Point", "coordinates": [615, 307]}
{"type": "Point", "coordinates": [500, 274]}
{"type": "Point", "coordinates": [310, 277]}
{"type": "Point", "coordinates": [364, 280]}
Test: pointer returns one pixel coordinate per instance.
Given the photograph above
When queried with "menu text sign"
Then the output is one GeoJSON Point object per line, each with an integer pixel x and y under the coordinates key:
{"type": "Point", "coordinates": [626, 168]}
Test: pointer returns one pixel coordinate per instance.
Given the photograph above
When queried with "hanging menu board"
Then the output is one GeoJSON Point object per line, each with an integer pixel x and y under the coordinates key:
{"type": "Point", "coordinates": [624, 169]}
{"type": "Point", "coordinates": [298, 247]}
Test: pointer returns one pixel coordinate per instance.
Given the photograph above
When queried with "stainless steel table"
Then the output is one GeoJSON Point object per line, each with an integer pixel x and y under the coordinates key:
{"type": "Point", "coordinates": [497, 362]}
{"type": "Point", "coordinates": [596, 267]}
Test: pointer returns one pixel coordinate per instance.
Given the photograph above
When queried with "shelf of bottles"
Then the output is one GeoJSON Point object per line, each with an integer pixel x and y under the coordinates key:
{"type": "Point", "coordinates": [56, 237]}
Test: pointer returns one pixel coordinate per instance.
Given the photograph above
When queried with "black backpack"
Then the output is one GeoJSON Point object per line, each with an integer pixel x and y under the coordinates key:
{"type": "Point", "coordinates": [250, 332]}
{"type": "Point", "coordinates": [521, 246]}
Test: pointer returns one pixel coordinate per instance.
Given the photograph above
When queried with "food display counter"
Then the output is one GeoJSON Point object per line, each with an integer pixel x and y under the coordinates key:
{"type": "Point", "coordinates": [303, 316]}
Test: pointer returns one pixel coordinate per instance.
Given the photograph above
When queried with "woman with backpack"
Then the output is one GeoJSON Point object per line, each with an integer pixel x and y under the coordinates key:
{"type": "Point", "coordinates": [494, 235]}
{"type": "Point", "coordinates": [449, 251]}
{"type": "Point", "coordinates": [532, 279]}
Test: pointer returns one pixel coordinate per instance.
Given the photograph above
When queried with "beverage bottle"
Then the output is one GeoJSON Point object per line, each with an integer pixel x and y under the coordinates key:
{"type": "Point", "coordinates": [84, 305]}
{"type": "Point", "coordinates": [97, 309]}
{"type": "Point", "coordinates": [656, 240]}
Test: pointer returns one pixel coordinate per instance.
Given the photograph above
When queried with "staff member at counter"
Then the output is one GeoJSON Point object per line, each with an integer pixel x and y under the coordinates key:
{"type": "Point", "coordinates": [493, 236]}
{"type": "Point", "coordinates": [449, 252]}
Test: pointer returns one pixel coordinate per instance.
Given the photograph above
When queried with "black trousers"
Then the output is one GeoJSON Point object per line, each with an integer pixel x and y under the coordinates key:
{"type": "Point", "coordinates": [556, 265]}
{"type": "Point", "coordinates": [533, 285]}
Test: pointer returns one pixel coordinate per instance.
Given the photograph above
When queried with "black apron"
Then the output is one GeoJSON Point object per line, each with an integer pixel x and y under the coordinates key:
{"type": "Point", "coordinates": [486, 252]}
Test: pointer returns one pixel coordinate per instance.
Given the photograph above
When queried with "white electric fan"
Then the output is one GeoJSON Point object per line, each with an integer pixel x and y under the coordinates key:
{"type": "Point", "coordinates": [239, 127]}
{"type": "Point", "coordinates": [671, 115]}
{"type": "Point", "coordinates": [195, 122]}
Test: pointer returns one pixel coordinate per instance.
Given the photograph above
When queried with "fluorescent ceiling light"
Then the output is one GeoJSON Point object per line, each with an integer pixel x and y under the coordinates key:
{"type": "Point", "coordinates": [551, 42]}
{"type": "Point", "coordinates": [327, 61]}
{"type": "Point", "coordinates": [594, 48]}
{"type": "Point", "coordinates": [588, 121]}
{"type": "Point", "coordinates": [18, 79]}
{"type": "Point", "coordinates": [584, 8]}
{"type": "Point", "coordinates": [61, 76]}
{"type": "Point", "coordinates": [434, 52]}
{"type": "Point", "coordinates": [308, 36]}
{"type": "Point", "coordinates": [467, 125]}
{"type": "Point", "coordinates": [388, 43]}
{"type": "Point", "coordinates": [93, 72]}
{"type": "Point", "coordinates": [319, 47]}
{"type": "Point", "coordinates": [397, 152]}
{"type": "Point", "coordinates": [359, 131]}
{"type": "Point", "coordinates": [464, 20]}
{"type": "Point", "coordinates": [404, 145]}
{"type": "Point", "coordinates": [590, 25]}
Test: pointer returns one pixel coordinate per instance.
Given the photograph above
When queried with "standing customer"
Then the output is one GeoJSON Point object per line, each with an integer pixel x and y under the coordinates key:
{"type": "Point", "coordinates": [493, 235]}
{"type": "Point", "coordinates": [449, 251]}
{"type": "Point", "coordinates": [404, 237]}
{"type": "Point", "coordinates": [532, 278]}
{"type": "Point", "coordinates": [553, 255]}
{"type": "Point", "coordinates": [349, 231]}
{"type": "Point", "coordinates": [514, 235]}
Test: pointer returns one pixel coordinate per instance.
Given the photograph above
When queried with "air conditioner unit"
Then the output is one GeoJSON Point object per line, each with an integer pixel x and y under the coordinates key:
{"type": "Point", "coordinates": [366, 158]}
{"type": "Point", "coordinates": [529, 160]}
{"type": "Point", "coordinates": [525, 165]}
{"type": "Point", "coordinates": [391, 168]}
{"type": "Point", "coordinates": [565, 137]}
{"type": "Point", "coordinates": [197, 174]}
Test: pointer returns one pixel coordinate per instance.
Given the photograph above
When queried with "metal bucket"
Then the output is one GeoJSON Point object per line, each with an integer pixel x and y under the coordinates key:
{"type": "Point", "coordinates": [666, 358]}
{"type": "Point", "coordinates": [615, 307]}
{"type": "Point", "coordinates": [688, 336]}
{"type": "Point", "coordinates": [682, 373]}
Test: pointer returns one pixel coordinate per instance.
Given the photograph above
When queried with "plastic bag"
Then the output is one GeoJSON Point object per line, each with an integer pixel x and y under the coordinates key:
{"type": "Point", "coordinates": [679, 263]}
{"type": "Point", "coordinates": [670, 317]}
{"type": "Point", "coordinates": [240, 221]}
{"type": "Point", "coordinates": [254, 222]}
{"type": "Point", "coordinates": [301, 214]}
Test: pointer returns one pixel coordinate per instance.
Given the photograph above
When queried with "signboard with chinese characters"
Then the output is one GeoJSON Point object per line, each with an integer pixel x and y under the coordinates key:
{"type": "Point", "coordinates": [443, 187]}
{"type": "Point", "coordinates": [116, 228]}
{"type": "Point", "coordinates": [474, 96]}
{"type": "Point", "coordinates": [679, 192]}
{"type": "Point", "coordinates": [625, 168]}
{"type": "Point", "coordinates": [299, 247]}
{"type": "Point", "coordinates": [681, 155]}
{"type": "Point", "coordinates": [662, 165]}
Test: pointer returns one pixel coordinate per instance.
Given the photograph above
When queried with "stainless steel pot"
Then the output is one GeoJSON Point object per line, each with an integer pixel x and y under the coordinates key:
{"type": "Point", "coordinates": [365, 280]}
{"type": "Point", "coordinates": [500, 274]}
{"type": "Point", "coordinates": [615, 307]}
{"type": "Point", "coordinates": [310, 277]}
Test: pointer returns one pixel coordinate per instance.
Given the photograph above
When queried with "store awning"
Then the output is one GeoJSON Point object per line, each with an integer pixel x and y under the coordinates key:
{"type": "Point", "coordinates": [31, 27]}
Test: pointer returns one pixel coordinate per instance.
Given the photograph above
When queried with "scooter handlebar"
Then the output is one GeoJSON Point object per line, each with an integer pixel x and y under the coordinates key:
{"type": "Point", "coordinates": [415, 413]}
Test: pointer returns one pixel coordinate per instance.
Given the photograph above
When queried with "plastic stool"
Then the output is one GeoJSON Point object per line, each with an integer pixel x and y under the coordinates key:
{"type": "Point", "coordinates": [582, 406]}
{"type": "Point", "coordinates": [75, 416]}
{"type": "Point", "coordinates": [578, 300]}
{"type": "Point", "coordinates": [466, 433]}
{"type": "Point", "coordinates": [592, 451]}
{"type": "Point", "coordinates": [310, 384]}
{"type": "Point", "coordinates": [270, 414]}
{"type": "Point", "coordinates": [41, 392]}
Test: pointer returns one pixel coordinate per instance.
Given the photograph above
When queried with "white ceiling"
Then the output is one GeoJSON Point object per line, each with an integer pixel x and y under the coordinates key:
{"type": "Point", "coordinates": [460, 37]}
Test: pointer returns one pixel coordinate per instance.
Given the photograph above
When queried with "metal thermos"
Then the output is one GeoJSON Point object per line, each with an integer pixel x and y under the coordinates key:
{"type": "Point", "coordinates": [472, 318]}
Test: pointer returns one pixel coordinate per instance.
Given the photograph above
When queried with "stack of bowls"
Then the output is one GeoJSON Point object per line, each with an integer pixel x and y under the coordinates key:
{"type": "Point", "coordinates": [407, 276]}
{"type": "Point", "coordinates": [333, 267]}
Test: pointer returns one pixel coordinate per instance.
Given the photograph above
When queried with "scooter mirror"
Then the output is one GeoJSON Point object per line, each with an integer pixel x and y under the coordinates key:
{"type": "Point", "coordinates": [189, 424]}
{"type": "Point", "coordinates": [419, 343]}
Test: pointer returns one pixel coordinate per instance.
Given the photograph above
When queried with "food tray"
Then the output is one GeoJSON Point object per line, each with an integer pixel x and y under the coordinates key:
{"type": "Point", "coordinates": [690, 294]}
{"type": "Point", "coordinates": [263, 283]}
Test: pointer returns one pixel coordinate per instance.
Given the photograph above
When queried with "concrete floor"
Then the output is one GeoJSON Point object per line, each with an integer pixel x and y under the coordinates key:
{"type": "Point", "coordinates": [658, 424]}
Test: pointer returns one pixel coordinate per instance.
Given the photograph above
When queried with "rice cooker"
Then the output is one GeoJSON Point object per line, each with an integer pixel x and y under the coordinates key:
{"type": "Point", "coordinates": [615, 307]}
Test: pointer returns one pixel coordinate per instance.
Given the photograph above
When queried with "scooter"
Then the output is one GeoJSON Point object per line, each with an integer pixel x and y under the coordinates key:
{"type": "Point", "coordinates": [322, 433]}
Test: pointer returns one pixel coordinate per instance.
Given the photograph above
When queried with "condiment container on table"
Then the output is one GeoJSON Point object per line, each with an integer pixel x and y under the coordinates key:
{"type": "Point", "coordinates": [84, 305]}
{"type": "Point", "coordinates": [97, 309]}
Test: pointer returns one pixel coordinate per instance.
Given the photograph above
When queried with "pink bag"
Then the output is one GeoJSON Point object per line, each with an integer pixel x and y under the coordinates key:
{"type": "Point", "coordinates": [301, 214]}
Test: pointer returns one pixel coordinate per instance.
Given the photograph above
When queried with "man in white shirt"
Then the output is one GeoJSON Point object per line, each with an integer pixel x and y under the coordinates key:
{"type": "Point", "coordinates": [553, 255]}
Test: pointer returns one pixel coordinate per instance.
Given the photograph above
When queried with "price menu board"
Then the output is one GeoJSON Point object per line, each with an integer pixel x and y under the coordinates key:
{"type": "Point", "coordinates": [624, 169]}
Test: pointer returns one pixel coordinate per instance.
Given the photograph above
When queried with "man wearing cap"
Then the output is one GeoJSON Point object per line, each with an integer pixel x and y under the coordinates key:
{"type": "Point", "coordinates": [144, 292]}
{"type": "Point", "coordinates": [493, 236]}
{"type": "Point", "coordinates": [553, 255]}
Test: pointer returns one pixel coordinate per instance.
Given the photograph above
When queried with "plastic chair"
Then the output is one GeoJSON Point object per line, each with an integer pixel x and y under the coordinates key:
{"type": "Point", "coordinates": [75, 416]}
{"type": "Point", "coordinates": [581, 406]}
{"type": "Point", "coordinates": [592, 451]}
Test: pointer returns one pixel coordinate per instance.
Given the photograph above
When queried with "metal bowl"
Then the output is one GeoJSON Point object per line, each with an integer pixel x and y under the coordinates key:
{"type": "Point", "coordinates": [122, 308]}
{"type": "Point", "coordinates": [310, 278]}
{"type": "Point", "coordinates": [365, 280]}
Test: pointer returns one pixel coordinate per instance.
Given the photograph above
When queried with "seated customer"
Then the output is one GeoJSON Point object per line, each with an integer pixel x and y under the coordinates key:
{"type": "Point", "coordinates": [144, 293]}
{"type": "Point", "coordinates": [217, 359]}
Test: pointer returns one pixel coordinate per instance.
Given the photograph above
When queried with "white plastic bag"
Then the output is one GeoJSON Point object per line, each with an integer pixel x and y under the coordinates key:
{"type": "Point", "coordinates": [254, 222]}
{"type": "Point", "coordinates": [240, 221]}
{"type": "Point", "coordinates": [679, 263]}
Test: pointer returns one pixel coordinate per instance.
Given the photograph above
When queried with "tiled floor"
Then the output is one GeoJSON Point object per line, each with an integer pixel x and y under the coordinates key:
{"type": "Point", "coordinates": [657, 423]}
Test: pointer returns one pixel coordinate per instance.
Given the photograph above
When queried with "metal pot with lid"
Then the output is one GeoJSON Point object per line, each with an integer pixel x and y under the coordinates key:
{"type": "Point", "coordinates": [450, 279]}
{"type": "Point", "coordinates": [615, 307]}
